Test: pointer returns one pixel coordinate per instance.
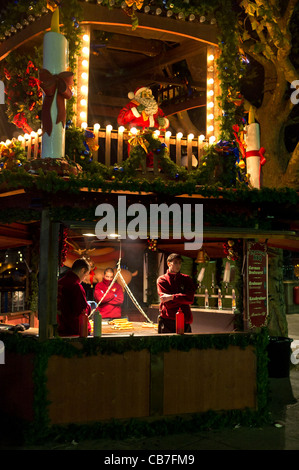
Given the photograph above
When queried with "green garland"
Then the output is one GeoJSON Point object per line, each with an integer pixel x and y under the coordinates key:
{"type": "Point", "coordinates": [39, 430]}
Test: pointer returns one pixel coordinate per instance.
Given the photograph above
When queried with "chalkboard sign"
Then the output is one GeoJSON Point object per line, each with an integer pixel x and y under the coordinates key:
{"type": "Point", "coordinates": [257, 284]}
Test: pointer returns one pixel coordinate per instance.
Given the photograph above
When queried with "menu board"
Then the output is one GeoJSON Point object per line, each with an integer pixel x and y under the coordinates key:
{"type": "Point", "coordinates": [257, 284]}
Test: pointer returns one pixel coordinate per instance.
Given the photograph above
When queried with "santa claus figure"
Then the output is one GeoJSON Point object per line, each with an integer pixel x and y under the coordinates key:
{"type": "Point", "coordinates": [142, 111]}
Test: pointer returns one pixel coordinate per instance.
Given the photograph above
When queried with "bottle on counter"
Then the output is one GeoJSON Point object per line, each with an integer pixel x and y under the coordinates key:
{"type": "Point", "coordinates": [83, 324]}
{"type": "Point", "coordinates": [206, 298]}
{"type": "Point", "coordinates": [233, 299]}
{"type": "Point", "coordinates": [97, 324]}
{"type": "Point", "coordinates": [219, 300]}
{"type": "Point", "coordinates": [180, 322]}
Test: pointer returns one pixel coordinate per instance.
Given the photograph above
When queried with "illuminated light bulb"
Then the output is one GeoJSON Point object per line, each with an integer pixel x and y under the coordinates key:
{"type": "Point", "coordinates": [211, 57]}
{"type": "Point", "coordinates": [85, 63]}
{"type": "Point", "coordinates": [211, 104]}
{"type": "Point", "coordinates": [210, 128]}
{"type": "Point", "coordinates": [133, 130]}
{"type": "Point", "coordinates": [39, 131]}
{"type": "Point", "coordinates": [83, 115]}
{"type": "Point", "coordinates": [83, 102]}
{"type": "Point", "coordinates": [84, 89]}
{"type": "Point", "coordinates": [109, 127]}
{"type": "Point", "coordinates": [157, 133]}
{"type": "Point", "coordinates": [20, 138]}
{"type": "Point", "coordinates": [211, 93]}
{"type": "Point", "coordinates": [191, 136]}
{"type": "Point", "coordinates": [84, 125]}
{"type": "Point", "coordinates": [168, 134]}
{"type": "Point", "coordinates": [211, 116]}
{"type": "Point", "coordinates": [7, 142]}
{"type": "Point", "coordinates": [212, 139]}
{"type": "Point", "coordinates": [201, 137]}
{"type": "Point", "coordinates": [96, 126]}
{"type": "Point", "coordinates": [179, 135]}
{"type": "Point", "coordinates": [85, 50]}
{"type": "Point", "coordinates": [27, 136]}
{"type": "Point", "coordinates": [121, 129]}
{"type": "Point", "coordinates": [86, 37]}
{"type": "Point", "coordinates": [32, 133]}
{"type": "Point", "coordinates": [210, 81]}
{"type": "Point", "coordinates": [84, 75]}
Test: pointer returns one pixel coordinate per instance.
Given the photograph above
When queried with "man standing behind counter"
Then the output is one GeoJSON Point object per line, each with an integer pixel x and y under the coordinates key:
{"type": "Point", "coordinates": [176, 290]}
{"type": "Point", "coordinates": [71, 299]}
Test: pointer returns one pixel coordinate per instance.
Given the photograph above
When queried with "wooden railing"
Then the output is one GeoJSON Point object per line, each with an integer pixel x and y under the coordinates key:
{"type": "Point", "coordinates": [113, 144]}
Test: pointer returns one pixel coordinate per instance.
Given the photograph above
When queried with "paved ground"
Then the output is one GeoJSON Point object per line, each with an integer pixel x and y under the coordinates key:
{"type": "Point", "coordinates": [282, 433]}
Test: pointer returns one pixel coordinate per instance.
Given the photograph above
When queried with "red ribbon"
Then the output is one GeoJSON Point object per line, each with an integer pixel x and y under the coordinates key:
{"type": "Point", "coordinates": [50, 83]}
{"type": "Point", "coordinates": [257, 153]}
{"type": "Point", "coordinates": [236, 130]}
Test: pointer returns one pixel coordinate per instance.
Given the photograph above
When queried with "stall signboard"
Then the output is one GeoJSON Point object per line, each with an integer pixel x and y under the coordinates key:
{"type": "Point", "coordinates": [257, 284]}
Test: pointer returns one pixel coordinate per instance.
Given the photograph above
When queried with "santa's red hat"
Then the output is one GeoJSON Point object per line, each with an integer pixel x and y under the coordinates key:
{"type": "Point", "coordinates": [133, 94]}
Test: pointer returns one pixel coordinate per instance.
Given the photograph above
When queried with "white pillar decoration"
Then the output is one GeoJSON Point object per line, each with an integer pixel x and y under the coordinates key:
{"type": "Point", "coordinates": [55, 60]}
{"type": "Point", "coordinates": [254, 154]}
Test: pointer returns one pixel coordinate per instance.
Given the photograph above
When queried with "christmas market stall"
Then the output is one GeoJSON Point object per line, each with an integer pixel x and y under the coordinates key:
{"type": "Point", "coordinates": [123, 197]}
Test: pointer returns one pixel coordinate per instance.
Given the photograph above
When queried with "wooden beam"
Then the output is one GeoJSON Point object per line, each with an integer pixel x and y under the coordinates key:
{"type": "Point", "coordinates": [121, 42]}
{"type": "Point", "coordinates": [149, 66]}
{"type": "Point", "coordinates": [30, 32]}
{"type": "Point", "coordinates": [173, 108]}
{"type": "Point", "coordinates": [48, 267]}
{"type": "Point", "coordinates": [150, 26]}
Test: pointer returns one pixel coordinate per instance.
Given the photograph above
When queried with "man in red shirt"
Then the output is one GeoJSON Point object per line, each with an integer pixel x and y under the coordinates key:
{"type": "Point", "coordinates": [176, 290]}
{"type": "Point", "coordinates": [71, 299]}
{"type": "Point", "coordinates": [110, 307]}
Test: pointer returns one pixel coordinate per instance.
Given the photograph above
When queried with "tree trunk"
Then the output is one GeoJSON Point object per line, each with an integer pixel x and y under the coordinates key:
{"type": "Point", "coordinates": [276, 156]}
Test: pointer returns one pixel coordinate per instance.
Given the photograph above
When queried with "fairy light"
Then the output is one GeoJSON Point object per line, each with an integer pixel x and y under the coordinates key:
{"type": "Point", "coordinates": [83, 78]}
{"type": "Point", "coordinates": [210, 94]}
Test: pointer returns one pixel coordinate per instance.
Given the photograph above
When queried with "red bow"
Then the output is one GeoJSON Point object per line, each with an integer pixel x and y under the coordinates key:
{"type": "Point", "coordinates": [257, 153]}
{"type": "Point", "coordinates": [50, 83]}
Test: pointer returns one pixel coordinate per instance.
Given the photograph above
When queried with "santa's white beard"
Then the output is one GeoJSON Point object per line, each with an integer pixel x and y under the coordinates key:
{"type": "Point", "coordinates": [151, 105]}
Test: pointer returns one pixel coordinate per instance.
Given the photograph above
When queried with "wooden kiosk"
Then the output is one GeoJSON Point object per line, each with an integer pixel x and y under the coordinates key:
{"type": "Point", "coordinates": [138, 381]}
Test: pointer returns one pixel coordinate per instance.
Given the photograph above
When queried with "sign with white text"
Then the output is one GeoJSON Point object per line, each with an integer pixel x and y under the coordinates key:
{"type": "Point", "coordinates": [257, 284]}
